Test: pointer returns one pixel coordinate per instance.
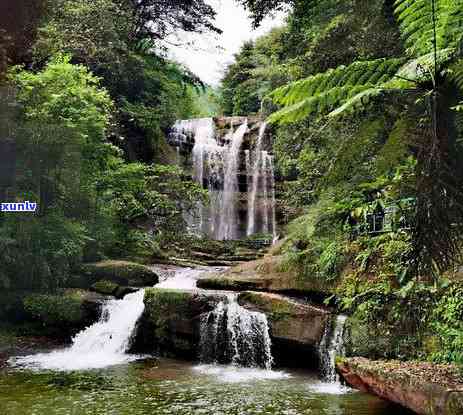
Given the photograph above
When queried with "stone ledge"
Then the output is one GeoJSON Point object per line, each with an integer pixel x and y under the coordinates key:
{"type": "Point", "coordinates": [266, 274]}
{"type": "Point", "coordinates": [425, 388]}
{"type": "Point", "coordinates": [289, 319]}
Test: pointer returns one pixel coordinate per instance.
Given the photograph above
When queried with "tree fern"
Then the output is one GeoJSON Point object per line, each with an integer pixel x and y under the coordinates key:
{"type": "Point", "coordinates": [419, 18]}
{"type": "Point", "coordinates": [300, 99]}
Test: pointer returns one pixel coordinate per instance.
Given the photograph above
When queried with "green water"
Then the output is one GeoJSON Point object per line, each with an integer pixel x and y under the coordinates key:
{"type": "Point", "coordinates": [175, 387]}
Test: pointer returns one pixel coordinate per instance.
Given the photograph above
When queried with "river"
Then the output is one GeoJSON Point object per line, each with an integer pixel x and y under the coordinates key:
{"type": "Point", "coordinates": [149, 385]}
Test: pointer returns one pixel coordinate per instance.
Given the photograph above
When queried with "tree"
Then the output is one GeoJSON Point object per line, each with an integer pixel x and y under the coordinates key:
{"type": "Point", "coordinates": [432, 74]}
{"type": "Point", "coordinates": [18, 25]}
{"type": "Point", "coordinates": [149, 91]}
{"type": "Point", "coordinates": [157, 19]}
{"type": "Point", "coordinates": [239, 91]}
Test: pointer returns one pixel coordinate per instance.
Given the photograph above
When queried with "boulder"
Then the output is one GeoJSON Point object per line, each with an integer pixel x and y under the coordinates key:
{"type": "Point", "coordinates": [65, 313]}
{"type": "Point", "coordinates": [105, 287]}
{"type": "Point", "coordinates": [118, 272]}
{"type": "Point", "coordinates": [266, 274]}
{"type": "Point", "coordinates": [170, 324]}
{"type": "Point", "coordinates": [425, 388]}
{"type": "Point", "coordinates": [290, 320]}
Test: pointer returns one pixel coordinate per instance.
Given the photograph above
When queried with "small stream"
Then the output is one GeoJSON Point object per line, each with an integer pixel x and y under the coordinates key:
{"type": "Point", "coordinates": [96, 376]}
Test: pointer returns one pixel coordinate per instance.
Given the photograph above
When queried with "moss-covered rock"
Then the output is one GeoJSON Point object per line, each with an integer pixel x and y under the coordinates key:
{"type": "Point", "coordinates": [425, 388]}
{"type": "Point", "coordinates": [170, 323]}
{"type": "Point", "coordinates": [290, 320]}
{"type": "Point", "coordinates": [266, 274]}
{"type": "Point", "coordinates": [64, 313]}
{"type": "Point", "coordinates": [365, 340]}
{"type": "Point", "coordinates": [105, 287]}
{"type": "Point", "coordinates": [119, 272]}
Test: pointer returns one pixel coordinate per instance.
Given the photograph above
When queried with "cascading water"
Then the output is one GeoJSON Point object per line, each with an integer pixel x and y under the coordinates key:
{"type": "Point", "coordinates": [256, 174]}
{"type": "Point", "coordinates": [228, 215]}
{"type": "Point", "coordinates": [331, 345]}
{"type": "Point", "coordinates": [232, 334]}
{"type": "Point", "coordinates": [216, 166]}
{"type": "Point", "coordinates": [273, 197]}
{"type": "Point", "coordinates": [105, 343]}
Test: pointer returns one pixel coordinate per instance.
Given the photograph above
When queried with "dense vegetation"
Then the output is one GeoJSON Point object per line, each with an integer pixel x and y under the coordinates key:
{"type": "Point", "coordinates": [364, 101]}
{"type": "Point", "coordinates": [87, 98]}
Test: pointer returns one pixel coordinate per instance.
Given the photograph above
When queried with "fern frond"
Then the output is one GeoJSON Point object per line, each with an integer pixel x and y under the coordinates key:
{"type": "Point", "coordinates": [318, 104]}
{"type": "Point", "coordinates": [416, 23]}
{"type": "Point", "coordinates": [357, 102]}
{"type": "Point", "coordinates": [455, 73]}
{"type": "Point", "coordinates": [421, 68]}
{"type": "Point", "coordinates": [357, 74]}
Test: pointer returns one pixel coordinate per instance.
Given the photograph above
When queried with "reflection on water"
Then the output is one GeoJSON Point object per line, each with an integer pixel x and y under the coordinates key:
{"type": "Point", "coordinates": [175, 387]}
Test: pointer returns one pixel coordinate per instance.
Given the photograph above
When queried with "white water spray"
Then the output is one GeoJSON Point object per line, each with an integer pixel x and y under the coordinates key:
{"type": "Point", "coordinates": [256, 178]}
{"type": "Point", "coordinates": [228, 214]}
{"type": "Point", "coordinates": [331, 345]}
{"type": "Point", "coordinates": [104, 343]}
{"type": "Point", "coordinates": [232, 334]}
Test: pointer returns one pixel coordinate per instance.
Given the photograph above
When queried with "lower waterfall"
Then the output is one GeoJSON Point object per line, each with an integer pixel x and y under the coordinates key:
{"type": "Point", "coordinates": [232, 334]}
{"type": "Point", "coordinates": [331, 345]}
{"type": "Point", "coordinates": [104, 343]}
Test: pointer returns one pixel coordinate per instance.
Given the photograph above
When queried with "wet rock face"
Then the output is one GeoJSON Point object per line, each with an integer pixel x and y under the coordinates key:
{"type": "Point", "coordinates": [290, 320]}
{"type": "Point", "coordinates": [170, 324]}
{"type": "Point", "coordinates": [424, 388]}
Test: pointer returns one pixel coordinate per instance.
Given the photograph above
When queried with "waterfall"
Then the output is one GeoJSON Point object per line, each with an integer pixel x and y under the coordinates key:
{"type": "Point", "coordinates": [228, 214]}
{"type": "Point", "coordinates": [265, 201]}
{"type": "Point", "coordinates": [102, 344]}
{"type": "Point", "coordinates": [178, 160]}
{"type": "Point", "coordinates": [256, 178]}
{"type": "Point", "coordinates": [273, 198]}
{"type": "Point", "coordinates": [232, 334]}
{"type": "Point", "coordinates": [331, 345]}
{"type": "Point", "coordinates": [216, 162]}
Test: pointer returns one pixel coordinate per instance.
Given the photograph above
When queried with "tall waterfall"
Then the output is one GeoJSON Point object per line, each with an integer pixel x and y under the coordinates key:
{"type": "Point", "coordinates": [228, 214]}
{"type": "Point", "coordinates": [256, 175]}
{"type": "Point", "coordinates": [103, 344]}
{"type": "Point", "coordinates": [217, 165]}
{"type": "Point", "coordinates": [232, 334]}
{"type": "Point", "coordinates": [331, 345]}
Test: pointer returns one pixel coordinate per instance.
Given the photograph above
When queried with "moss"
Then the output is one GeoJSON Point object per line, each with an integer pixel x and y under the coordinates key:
{"type": "Point", "coordinates": [55, 310]}
{"type": "Point", "coordinates": [164, 310]}
{"type": "Point", "coordinates": [275, 308]}
{"type": "Point", "coordinates": [224, 283]}
{"type": "Point", "coordinates": [105, 287]}
{"type": "Point", "coordinates": [120, 272]}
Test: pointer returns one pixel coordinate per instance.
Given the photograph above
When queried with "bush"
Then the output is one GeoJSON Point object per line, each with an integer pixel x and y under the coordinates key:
{"type": "Point", "coordinates": [55, 310]}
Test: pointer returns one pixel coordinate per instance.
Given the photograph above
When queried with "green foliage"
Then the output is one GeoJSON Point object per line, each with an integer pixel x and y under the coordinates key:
{"type": "Point", "coordinates": [417, 23]}
{"type": "Point", "coordinates": [39, 253]}
{"type": "Point", "coordinates": [105, 287]}
{"type": "Point", "coordinates": [324, 92]}
{"type": "Point", "coordinates": [54, 310]}
{"type": "Point", "coordinates": [448, 327]}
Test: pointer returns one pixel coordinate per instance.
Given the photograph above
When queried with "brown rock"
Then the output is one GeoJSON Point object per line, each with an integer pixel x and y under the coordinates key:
{"type": "Point", "coordinates": [289, 319]}
{"type": "Point", "coordinates": [425, 388]}
{"type": "Point", "coordinates": [266, 274]}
